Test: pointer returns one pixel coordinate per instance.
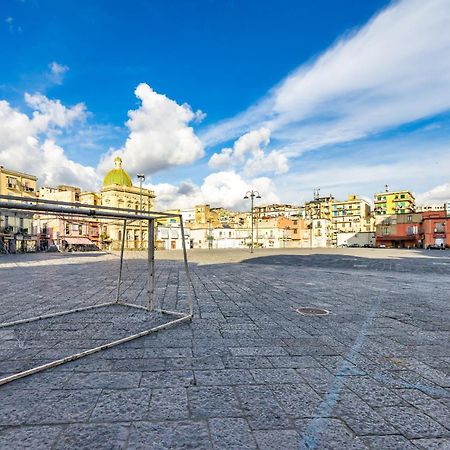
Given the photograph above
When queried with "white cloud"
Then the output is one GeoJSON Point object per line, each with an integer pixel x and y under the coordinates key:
{"type": "Point", "coordinates": [57, 72]}
{"type": "Point", "coordinates": [251, 142]}
{"type": "Point", "coordinates": [436, 196]}
{"type": "Point", "coordinates": [392, 71]}
{"type": "Point", "coordinates": [48, 113]}
{"type": "Point", "coordinates": [159, 135]}
{"type": "Point", "coordinates": [226, 188]}
{"type": "Point", "coordinates": [249, 153]}
{"type": "Point", "coordinates": [26, 143]}
{"type": "Point", "coordinates": [273, 162]}
{"type": "Point", "coordinates": [222, 160]}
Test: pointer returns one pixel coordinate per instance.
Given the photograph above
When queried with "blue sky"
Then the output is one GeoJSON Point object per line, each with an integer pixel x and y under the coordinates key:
{"type": "Point", "coordinates": [301, 95]}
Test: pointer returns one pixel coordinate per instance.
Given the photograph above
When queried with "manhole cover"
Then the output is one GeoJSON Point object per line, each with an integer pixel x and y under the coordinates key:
{"type": "Point", "coordinates": [312, 311]}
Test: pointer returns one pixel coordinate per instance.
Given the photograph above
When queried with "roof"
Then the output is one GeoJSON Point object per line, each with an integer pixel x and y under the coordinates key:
{"type": "Point", "coordinates": [117, 176]}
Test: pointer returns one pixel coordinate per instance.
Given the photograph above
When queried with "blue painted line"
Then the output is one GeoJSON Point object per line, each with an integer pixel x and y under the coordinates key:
{"type": "Point", "coordinates": [320, 422]}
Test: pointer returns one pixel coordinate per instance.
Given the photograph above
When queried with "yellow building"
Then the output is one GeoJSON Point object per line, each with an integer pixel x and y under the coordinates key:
{"type": "Point", "coordinates": [319, 208]}
{"type": "Point", "coordinates": [206, 216]}
{"type": "Point", "coordinates": [394, 202]}
{"type": "Point", "coordinates": [118, 192]}
{"type": "Point", "coordinates": [351, 215]}
{"type": "Point", "coordinates": [16, 228]}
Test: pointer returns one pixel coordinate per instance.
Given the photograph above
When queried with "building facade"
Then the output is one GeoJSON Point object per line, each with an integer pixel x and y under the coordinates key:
{"type": "Point", "coordinates": [118, 192]}
{"type": "Point", "coordinates": [66, 233]}
{"type": "Point", "coordinates": [394, 202]}
{"type": "Point", "coordinates": [17, 234]}
{"type": "Point", "coordinates": [436, 229]}
{"type": "Point", "coordinates": [400, 231]}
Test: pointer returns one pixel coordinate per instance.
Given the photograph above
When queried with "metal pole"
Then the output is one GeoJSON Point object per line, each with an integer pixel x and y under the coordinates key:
{"type": "Point", "coordinates": [256, 221]}
{"type": "Point", "coordinates": [140, 210]}
{"type": "Point", "coordinates": [151, 264]}
{"type": "Point", "coordinates": [186, 268]}
{"type": "Point", "coordinates": [251, 214]}
{"type": "Point", "coordinates": [209, 235]}
{"type": "Point", "coordinates": [91, 351]}
{"type": "Point", "coordinates": [119, 280]}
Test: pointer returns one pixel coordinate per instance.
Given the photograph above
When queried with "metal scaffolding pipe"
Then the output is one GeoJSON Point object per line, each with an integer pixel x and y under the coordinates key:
{"type": "Point", "coordinates": [74, 211]}
{"type": "Point", "coordinates": [50, 315]}
{"type": "Point", "coordinates": [42, 201]}
{"type": "Point", "coordinates": [122, 247]}
{"type": "Point", "coordinates": [186, 268]}
{"type": "Point", "coordinates": [151, 265]}
{"type": "Point", "coordinates": [91, 351]}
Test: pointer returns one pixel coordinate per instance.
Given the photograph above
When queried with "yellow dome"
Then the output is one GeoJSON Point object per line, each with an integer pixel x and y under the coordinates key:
{"type": "Point", "coordinates": [117, 175]}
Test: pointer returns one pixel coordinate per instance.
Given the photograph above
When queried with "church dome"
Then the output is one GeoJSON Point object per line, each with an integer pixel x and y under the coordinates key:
{"type": "Point", "coordinates": [117, 175]}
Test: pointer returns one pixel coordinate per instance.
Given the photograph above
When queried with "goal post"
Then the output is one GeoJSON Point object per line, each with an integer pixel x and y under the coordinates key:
{"type": "Point", "coordinates": [125, 217]}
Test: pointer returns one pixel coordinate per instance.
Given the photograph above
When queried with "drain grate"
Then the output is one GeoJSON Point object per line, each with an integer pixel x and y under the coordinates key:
{"type": "Point", "coordinates": [312, 311]}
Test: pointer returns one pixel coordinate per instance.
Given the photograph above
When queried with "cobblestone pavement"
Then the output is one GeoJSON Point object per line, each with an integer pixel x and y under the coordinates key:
{"type": "Point", "coordinates": [249, 371]}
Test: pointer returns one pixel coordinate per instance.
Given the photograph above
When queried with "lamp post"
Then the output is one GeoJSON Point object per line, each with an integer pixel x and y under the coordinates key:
{"type": "Point", "coordinates": [252, 194]}
{"type": "Point", "coordinates": [141, 178]}
{"type": "Point", "coordinates": [210, 237]}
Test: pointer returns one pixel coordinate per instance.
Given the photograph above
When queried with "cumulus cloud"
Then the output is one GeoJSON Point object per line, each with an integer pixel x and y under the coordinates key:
{"type": "Point", "coordinates": [160, 136]}
{"type": "Point", "coordinates": [27, 145]}
{"type": "Point", "coordinates": [436, 196]}
{"type": "Point", "coordinates": [57, 72]}
{"type": "Point", "coordinates": [249, 153]}
{"type": "Point", "coordinates": [52, 113]}
{"type": "Point", "coordinates": [225, 188]}
{"type": "Point", "coordinates": [392, 71]}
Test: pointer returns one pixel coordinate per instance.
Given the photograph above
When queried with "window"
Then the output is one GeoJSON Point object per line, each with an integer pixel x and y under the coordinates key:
{"type": "Point", "coordinates": [80, 229]}
{"type": "Point", "coordinates": [386, 230]}
{"type": "Point", "coordinates": [409, 218]}
{"type": "Point", "coordinates": [67, 228]}
{"type": "Point", "coordinates": [439, 228]}
{"type": "Point", "coordinates": [12, 182]}
{"type": "Point", "coordinates": [402, 196]}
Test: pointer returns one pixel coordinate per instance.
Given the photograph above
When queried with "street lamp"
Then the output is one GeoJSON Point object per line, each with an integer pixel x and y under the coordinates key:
{"type": "Point", "coordinates": [210, 237]}
{"type": "Point", "coordinates": [252, 194]}
{"type": "Point", "coordinates": [141, 178]}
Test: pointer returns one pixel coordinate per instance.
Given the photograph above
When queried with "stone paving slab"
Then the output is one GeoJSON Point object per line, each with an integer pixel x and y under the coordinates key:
{"type": "Point", "coordinates": [248, 372]}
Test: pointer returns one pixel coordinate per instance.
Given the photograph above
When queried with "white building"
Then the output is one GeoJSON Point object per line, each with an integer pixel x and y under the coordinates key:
{"type": "Point", "coordinates": [168, 237]}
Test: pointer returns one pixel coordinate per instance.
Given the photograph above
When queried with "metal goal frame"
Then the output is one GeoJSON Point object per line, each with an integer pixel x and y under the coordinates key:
{"type": "Point", "coordinates": [78, 210]}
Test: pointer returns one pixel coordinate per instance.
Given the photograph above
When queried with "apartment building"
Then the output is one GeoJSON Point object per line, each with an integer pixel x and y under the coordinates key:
{"type": "Point", "coordinates": [400, 231]}
{"type": "Point", "coordinates": [16, 228]}
{"type": "Point", "coordinates": [67, 233]}
{"type": "Point", "coordinates": [393, 202]}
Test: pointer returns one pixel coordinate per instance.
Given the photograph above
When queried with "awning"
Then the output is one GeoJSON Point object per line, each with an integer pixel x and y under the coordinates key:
{"type": "Point", "coordinates": [78, 241]}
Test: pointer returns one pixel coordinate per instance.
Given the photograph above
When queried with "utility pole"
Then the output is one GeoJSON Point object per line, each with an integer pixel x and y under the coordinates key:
{"type": "Point", "coordinates": [141, 178]}
{"type": "Point", "coordinates": [252, 194]}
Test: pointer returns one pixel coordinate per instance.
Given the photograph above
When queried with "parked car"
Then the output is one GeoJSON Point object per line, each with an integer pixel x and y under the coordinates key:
{"type": "Point", "coordinates": [368, 246]}
{"type": "Point", "coordinates": [354, 245]}
{"type": "Point", "coordinates": [435, 247]}
{"type": "Point", "coordinates": [382, 246]}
